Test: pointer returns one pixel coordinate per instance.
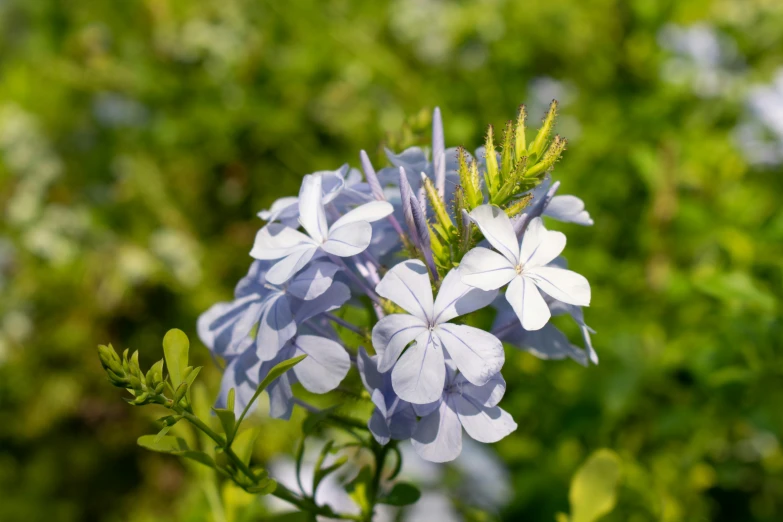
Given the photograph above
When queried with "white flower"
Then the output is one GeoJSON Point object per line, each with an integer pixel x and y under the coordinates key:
{"type": "Point", "coordinates": [349, 235]}
{"type": "Point", "coordinates": [420, 374]}
{"type": "Point", "coordinates": [523, 267]}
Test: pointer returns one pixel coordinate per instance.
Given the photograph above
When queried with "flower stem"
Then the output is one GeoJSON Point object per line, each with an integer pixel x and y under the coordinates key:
{"type": "Point", "coordinates": [380, 453]}
{"type": "Point", "coordinates": [281, 492]}
{"type": "Point", "coordinates": [345, 324]}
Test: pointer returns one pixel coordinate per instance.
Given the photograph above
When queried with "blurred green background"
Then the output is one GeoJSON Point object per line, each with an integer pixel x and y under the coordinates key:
{"type": "Point", "coordinates": [138, 139]}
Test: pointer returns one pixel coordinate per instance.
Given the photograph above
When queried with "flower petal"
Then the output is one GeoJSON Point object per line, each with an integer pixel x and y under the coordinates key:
{"type": "Point", "coordinates": [564, 285]}
{"type": "Point", "coordinates": [275, 327]}
{"type": "Point", "coordinates": [420, 374]}
{"type": "Point", "coordinates": [527, 302]}
{"type": "Point", "coordinates": [368, 370]}
{"type": "Point", "coordinates": [313, 281]}
{"type": "Point", "coordinates": [391, 335]}
{"type": "Point", "coordinates": [254, 280]}
{"type": "Point", "coordinates": [487, 395]}
{"type": "Point", "coordinates": [275, 241]}
{"type": "Point", "coordinates": [234, 376]}
{"type": "Point", "coordinates": [326, 365]}
{"type": "Point", "coordinates": [539, 245]}
{"type": "Point", "coordinates": [281, 396]}
{"type": "Point", "coordinates": [438, 436]}
{"type": "Point", "coordinates": [311, 208]}
{"type": "Point", "coordinates": [349, 240]}
{"type": "Point", "coordinates": [486, 269]}
{"type": "Point", "coordinates": [478, 354]}
{"type": "Point", "coordinates": [569, 209]}
{"type": "Point", "coordinates": [379, 427]}
{"type": "Point", "coordinates": [282, 208]}
{"type": "Point", "coordinates": [456, 298]}
{"type": "Point", "coordinates": [332, 299]}
{"type": "Point", "coordinates": [403, 421]}
{"type": "Point", "coordinates": [498, 230]}
{"type": "Point", "coordinates": [407, 284]}
{"type": "Point", "coordinates": [482, 424]}
{"type": "Point", "coordinates": [368, 213]}
{"type": "Point", "coordinates": [287, 267]}
{"type": "Point", "coordinates": [550, 343]}
{"type": "Point", "coordinates": [224, 323]}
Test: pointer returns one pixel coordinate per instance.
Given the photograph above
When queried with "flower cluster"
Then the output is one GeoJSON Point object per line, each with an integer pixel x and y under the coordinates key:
{"type": "Point", "coordinates": [426, 242]}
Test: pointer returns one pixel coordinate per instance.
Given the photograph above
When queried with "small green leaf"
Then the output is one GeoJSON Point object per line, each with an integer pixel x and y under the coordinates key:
{"type": "Point", "coordinates": [175, 349]}
{"type": "Point", "coordinates": [402, 494]}
{"type": "Point", "coordinates": [230, 401]}
{"type": "Point", "coordinates": [163, 444]}
{"type": "Point", "coordinates": [278, 370]}
{"type": "Point", "coordinates": [228, 420]}
{"type": "Point", "coordinates": [199, 457]}
{"type": "Point", "coordinates": [174, 446]}
{"type": "Point", "coordinates": [161, 433]}
{"type": "Point", "coordinates": [243, 443]}
{"type": "Point", "coordinates": [264, 487]}
{"type": "Point", "coordinates": [593, 491]}
{"type": "Point", "coordinates": [358, 488]}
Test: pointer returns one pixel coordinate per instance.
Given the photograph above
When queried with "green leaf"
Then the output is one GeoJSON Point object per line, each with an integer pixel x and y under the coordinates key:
{"type": "Point", "coordinates": [320, 472]}
{"type": "Point", "coordinates": [278, 370]}
{"type": "Point", "coordinates": [174, 446]}
{"type": "Point", "coordinates": [175, 349]}
{"type": "Point", "coordinates": [171, 445]}
{"type": "Point", "coordinates": [243, 443]}
{"type": "Point", "coordinates": [162, 433]}
{"type": "Point", "coordinates": [593, 491]}
{"type": "Point", "coordinates": [358, 488]}
{"type": "Point", "coordinates": [402, 494]}
{"type": "Point", "coordinates": [228, 420]}
{"type": "Point", "coordinates": [230, 401]}
{"type": "Point", "coordinates": [264, 487]}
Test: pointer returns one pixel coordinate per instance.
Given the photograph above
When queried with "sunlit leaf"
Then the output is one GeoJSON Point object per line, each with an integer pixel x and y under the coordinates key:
{"type": "Point", "coordinates": [593, 491]}
{"type": "Point", "coordinates": [175, 348]}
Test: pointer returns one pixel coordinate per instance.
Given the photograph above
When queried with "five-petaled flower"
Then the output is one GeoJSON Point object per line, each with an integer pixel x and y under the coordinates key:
{"type": "Point", "coordinates": [438, 435]}
{"type": "Point", "coordinates": [419, 374]}
{"type": "Point", "coordinates": [348, 236]}
{"type": "Point", "coordinates": [522, 266]}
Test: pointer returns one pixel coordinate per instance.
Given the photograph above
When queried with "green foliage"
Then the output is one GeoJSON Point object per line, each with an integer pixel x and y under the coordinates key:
{"type": "Point", "coordinates": [174, 446]}
{"type": "Point", "coordinates": [593, 491]}
{"type": "Point", "coordinates": [402, 494]}
{"type": "Point", "coordinates": [139, 139]}
{"type": "Point", "coordinates": [176, 347]}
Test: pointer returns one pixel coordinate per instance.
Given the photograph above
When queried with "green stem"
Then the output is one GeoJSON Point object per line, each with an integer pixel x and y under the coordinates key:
{"type": "Point", "coordinates": [375, 486]}
{"type": "Point", "coordinates": [281, 492]}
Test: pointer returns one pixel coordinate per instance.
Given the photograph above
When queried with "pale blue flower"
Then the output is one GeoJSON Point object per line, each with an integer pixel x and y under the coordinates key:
{"type": "Point", "coordinates": [566, 208]}
{"type": "Point", "coordinates": [268, 311]}
{"type": "Point", "coordinates": [523, 266]}
{"type": "Point", "coordinates": [343, 185]}
{"type": "Point", "coordinates": [326, 365]}
{"type": "Point", "coordinates": [546, 343]}
{"type": "Point", "coordinates": [349, 235]}
{"type": "Point", "coordinates": [419, 374]}
{"type": "Point", "coordinates": [393, 418]}
{"type": "Point", "coordinates": [462, 404]}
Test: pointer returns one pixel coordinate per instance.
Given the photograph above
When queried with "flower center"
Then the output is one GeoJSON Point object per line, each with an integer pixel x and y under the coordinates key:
{"type": "Point", "coordinates": [519, 268]}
